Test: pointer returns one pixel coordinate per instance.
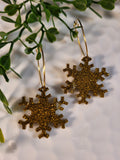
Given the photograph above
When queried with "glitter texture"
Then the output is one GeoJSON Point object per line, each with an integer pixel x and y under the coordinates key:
{"type": "Point", "coordinates": [43, 113]}
{"type": "Point", "coordinates": [85, 80]}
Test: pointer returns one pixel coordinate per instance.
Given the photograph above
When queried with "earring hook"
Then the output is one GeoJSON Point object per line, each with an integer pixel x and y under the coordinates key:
{"type": "Point", "coordinates": [43, 60]}
{"type": "Point", "coordinates": [78, 23]}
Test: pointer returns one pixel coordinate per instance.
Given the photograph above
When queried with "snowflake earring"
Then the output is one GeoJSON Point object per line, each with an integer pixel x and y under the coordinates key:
{"type": "Point", "coordinates": [43, 112]}
{"type": "Point", "coordinates": [84, 79]}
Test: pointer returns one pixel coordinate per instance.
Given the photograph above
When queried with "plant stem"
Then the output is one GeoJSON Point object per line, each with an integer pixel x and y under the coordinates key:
{"type": "Point", "coordinates": [11, 47]}
{"type": "Point", "coordinates": [26, 45]}
{"type": "Point", "coordinates": [35, 47]}
{"type": "Point", "coordinates": [15, 72]}
{"type": "Point", "coordinates": [53, 21]}
{"type": "Point", "coordinates": [95, 12]}
{"type": "Point", "coordinates": [41, 37]}
{"type": "Point", "coordinates": [39, 30]}
{"type": "Point", "coordinates": [23, 43]}
{"type": "Point", "coordinates": [20, 34]}
{"type": "Point", "coordinates": [14, 30]}
{"type": "Point", "coordinates": [2, 12]}
{"type": "Point", "coordinates": [64, 23]}
{"type": "Point", "coordinates": [24, 2]}
{"type": "Point", "coordinates": [26, 17]}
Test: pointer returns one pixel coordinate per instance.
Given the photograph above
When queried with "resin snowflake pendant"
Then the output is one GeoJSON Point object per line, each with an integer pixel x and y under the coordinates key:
{"type": "Point", "coordinates": [43, 113]}
{"type": "Point", "coordinates": [85, 80]}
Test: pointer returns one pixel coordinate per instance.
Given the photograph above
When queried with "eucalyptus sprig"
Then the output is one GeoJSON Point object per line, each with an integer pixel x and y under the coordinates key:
{"type": "Point", "coordinates": [52, 9]}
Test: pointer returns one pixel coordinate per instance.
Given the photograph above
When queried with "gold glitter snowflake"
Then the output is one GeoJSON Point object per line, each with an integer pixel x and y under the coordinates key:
{"type": "Point", "coordinates": [43, 113]}
{"type": "Point", "coordinates": [85, 80]}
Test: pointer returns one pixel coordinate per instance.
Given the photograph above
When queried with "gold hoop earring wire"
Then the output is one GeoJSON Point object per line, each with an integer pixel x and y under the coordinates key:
{"type": "Point", "coordinates": [43, 82]}
{"type": "Point", "coordinates": [77, 23]}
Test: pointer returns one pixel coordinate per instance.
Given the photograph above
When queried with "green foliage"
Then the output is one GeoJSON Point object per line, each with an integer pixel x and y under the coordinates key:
{"type": "Point", "coordinates": [28, 50]}
{"type": "Point", "coordinates": [107, 4]}
{"type": "Point", "coordinates": [47, 13]}
{"type": "Point", "coordinates": [7, 1]}
{"type": "Point", "coordinates": [89, 2]}
{"type": "Point", "coordinates": [3, 35]}
{"type": "Point", "coordinates": [5, 102]}
{"type": "Point", "coordinates": [50, 33]}
{"type": "Point", "coordinates": [25, 24]}
{"type": "Point", "coordinates": [75, 34]}
{"type": "Point", "coordinates": [11, 9]}
{"type": "Point", "coordinates": [5, 61]}
{"type": "Point", "coordinates": [32, 18]}
{"type": "Point", "coordinates": [3, 44]}
{"type": "Point", "coordinates": [53, 30]}
{"type": "Point", "coordinates": [51, 37]}
{"type": "Point", "coordinates": [52, 11]}
{"type": "Point", "coordinates": [3, 73]}
{"type": "Point", "coordinates": [2, 140]}
{"type": "Point", "coordinates": [31, 38]}
{"type": "Point", "coordinates": [38, 55]}
{"type": "Point", "coordinates": [80, 5]}
{"type": "Point", "coordinates": [18, 21]}
{"type": "Point", "coordinates": [7, 19]}
{"type": "Point", "coordinates": [4, 66]}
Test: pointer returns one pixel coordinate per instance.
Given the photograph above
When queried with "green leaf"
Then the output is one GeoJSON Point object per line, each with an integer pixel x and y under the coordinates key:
{"type": "Point", "coordinates": [50, 33]}
{"type": "Point", "coordinates": [3, 35]}
{"type": "Point", "coordinates": [8, 109]}
{"type": "Point", "coordinates": [31, 38]}
{"type": "Point", "coordinates": [107, 4]}
{"type": "Point", "coordinates": [5, 61]}
{"type": "Point", "coordinates": [3, 44]}
{"type": "Point", "coordinates": [89, 2]}
{"type": "Point", "coordinates": [75, 34]}
{"type": "Point", "coordinates": [38, 55]}
{"type": "Point", "coordinates": [14, 1]}
{"type": "Point", "coordinates": [27, 27]}
{"type": "Point", "coordinates": [32, 18]}
{"type": "Point", "coordinates": [28, 50]}
{"type": "Point", "coordinates": [2, 140]}
{"type": "Point", "coordinates": [53, 30]}
{"type": "Point", "coordinates": [18, 21]}
{"type": "Point", "coordinates": [51, 37]}
{"type": "Point", "coordinates": [48, 14]}
{"type": "Point", "coordinates": [54, 9]}
{"type": "Point", "coordinates": [47, 11]}
{"type": "Point", "coordinates": [3, 98]}
{"type": "Point", "coordinates": [5, 102]}
{"type": "Point", "coordinates": [11, 9]}
{"type": "Point", "coordinates": [7, 19]}
{"type": "Point", "coordinates": [7, 1]}
{"type": "Point", "coordinates": [2, 72]}
{"type": "Point", "coordinates": [64, 13]}
{"type": "Point", "coordinates": [80, 4]}
{"type": "Point", "coordinates": [35, 11]}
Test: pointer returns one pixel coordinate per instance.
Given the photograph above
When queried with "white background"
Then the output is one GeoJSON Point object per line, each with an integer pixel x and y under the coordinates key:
{"type": "Point", "coordinates": [93, 130]}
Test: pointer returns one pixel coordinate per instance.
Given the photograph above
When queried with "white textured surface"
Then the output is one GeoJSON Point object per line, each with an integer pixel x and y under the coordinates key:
{"type": "Point", "coordinates": [93, 130]}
